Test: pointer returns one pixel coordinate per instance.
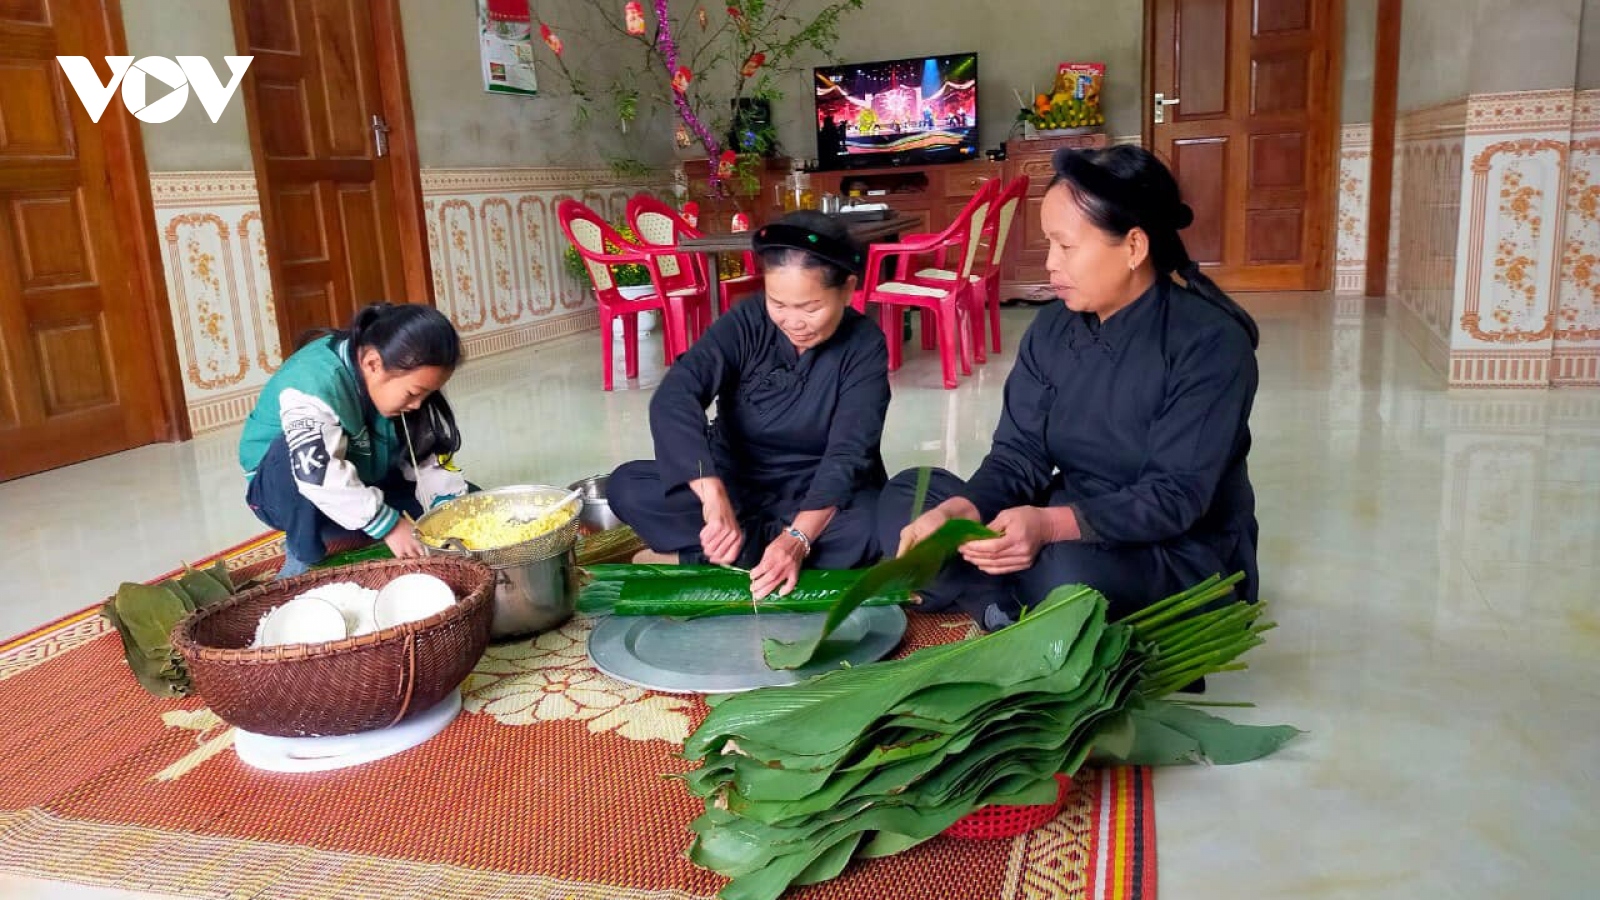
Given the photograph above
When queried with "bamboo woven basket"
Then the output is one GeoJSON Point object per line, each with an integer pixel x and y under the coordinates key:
{"type": "Point", "coordinates": [338, 687]}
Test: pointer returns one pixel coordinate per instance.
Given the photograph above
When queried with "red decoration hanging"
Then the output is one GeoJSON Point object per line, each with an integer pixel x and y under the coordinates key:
{"type": "Point", "coordinates": [701, 17]}
{"type": "Point", "coordinates": [633, 13]}
{"type": "Point", "coordinates": [681, 135]}
{"type": "Point", "coordinates": [680, 81]}
{"type": "Point", "coordinates": [725, 164]}
{"type": "Point", "coordinates": [741, 222]}
{"type": "Point", "coordinates": [691, 214]}
{"type": "Point", "coordinates": [550, 39]}
{"type": "Point", "coordinates": [753, 63]}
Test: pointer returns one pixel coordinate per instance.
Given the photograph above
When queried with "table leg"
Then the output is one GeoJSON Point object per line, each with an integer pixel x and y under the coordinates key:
{"type": "Point", "coordinates": [714, 284]}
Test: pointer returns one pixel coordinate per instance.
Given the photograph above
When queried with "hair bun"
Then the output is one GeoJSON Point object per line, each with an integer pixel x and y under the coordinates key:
{"type": "Point", "coordinates": [1183, 218]}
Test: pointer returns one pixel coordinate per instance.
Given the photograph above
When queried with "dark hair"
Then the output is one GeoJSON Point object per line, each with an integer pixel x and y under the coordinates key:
{"type": "Point", "coordinates": [1125, 187]}
{"type": "Point", "coordinates": [408, 337]}
{"type": "Point", "coordinates": [788, 253]}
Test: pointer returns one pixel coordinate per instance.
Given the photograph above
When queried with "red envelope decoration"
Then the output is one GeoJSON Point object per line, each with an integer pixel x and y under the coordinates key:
{"type": "Point", "coordinates": [741, 222]}
{"type": "Point", "coordinates": [725, 164]}
{"type": "Point", "coordinates": [680, 81]}
{"type": "Point", "coordinates": [691, 213]}
{"type": "Point", "coordinates": [753, 63]}
{"type": "Point", "coordinates": [633, 13]}
{"type": "Point", "coordinates": [550, 39]}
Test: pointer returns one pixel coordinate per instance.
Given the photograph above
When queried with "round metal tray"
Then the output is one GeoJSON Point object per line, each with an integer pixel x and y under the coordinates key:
{"type": "Point", "coordinates": [722, 654]}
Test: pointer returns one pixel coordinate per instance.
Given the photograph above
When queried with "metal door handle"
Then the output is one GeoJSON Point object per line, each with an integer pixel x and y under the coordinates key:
{"type": "Point", "coordinates": [1161, 104]}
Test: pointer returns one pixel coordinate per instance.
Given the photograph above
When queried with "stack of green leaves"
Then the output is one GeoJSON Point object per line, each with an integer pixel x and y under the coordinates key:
{"type": "Point", "coordinates": [874, 760]}
{"type": "Point", "coordinates": [870, 761]}
{"type": "Point", "coordinates": [145, 614]}
{"type": "Point", "coordinates": [690, 592]}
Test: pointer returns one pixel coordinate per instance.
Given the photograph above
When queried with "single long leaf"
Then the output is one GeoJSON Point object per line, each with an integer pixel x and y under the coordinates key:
{"type": "Point", "coordinates": [909, 572]}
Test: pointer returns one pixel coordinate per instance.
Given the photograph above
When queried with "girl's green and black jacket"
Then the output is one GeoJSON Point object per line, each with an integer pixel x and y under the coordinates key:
{"type": "Point", "coordinates": [339, 447]}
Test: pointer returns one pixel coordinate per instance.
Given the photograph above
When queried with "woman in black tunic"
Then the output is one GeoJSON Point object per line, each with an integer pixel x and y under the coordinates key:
{"type": "Point", "coordinates": [1119, 460]}
{"type": "Point", "coordinates": [789, 471]}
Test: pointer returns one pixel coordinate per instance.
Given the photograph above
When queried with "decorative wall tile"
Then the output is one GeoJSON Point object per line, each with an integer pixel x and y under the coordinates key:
{"type": "Point", "coordinates": [494, 245]}
{"type": "Point", "coordinates": [1355, 172]}
{"type": "Point", "coordinates": [219, 291]}
{"type": "Point", "coordinates": [1577, 322]}
{"type": "Point", "coordinates": [1510, 266]}
{"type": "Point", "coordinates": [1523, 215]}
{"type": "Point", "coordinates": [1424, 224]}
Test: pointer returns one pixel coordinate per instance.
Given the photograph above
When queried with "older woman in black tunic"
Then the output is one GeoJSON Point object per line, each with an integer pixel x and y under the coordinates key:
{"type": "Point", "coordinates": [788, 474]}
{"type": "Point", "coordinates": [1119, 459]}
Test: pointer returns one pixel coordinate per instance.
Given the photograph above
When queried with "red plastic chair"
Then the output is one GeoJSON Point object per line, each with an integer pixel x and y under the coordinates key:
{"type": "Point", "coordinates": [985, 276]}
{"type": "Point", "coordinates": [661, 226]}
{"type": "Point", "coordinates": [945, 305]}
{"type": "Point", "coordinates": [590, 235]}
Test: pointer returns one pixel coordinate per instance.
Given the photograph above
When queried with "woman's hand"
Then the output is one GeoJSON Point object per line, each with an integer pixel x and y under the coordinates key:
{"type": "Point", "coordinates": [1024, 530]}
{"type": "Point", "coordinates": [721, 538]}
{"type": "Point", "coordinates": [779, 569]}
{"type": "Point", "coordinates": [929, 522]}
{"type": "Point", "coordinates": [403, 543]}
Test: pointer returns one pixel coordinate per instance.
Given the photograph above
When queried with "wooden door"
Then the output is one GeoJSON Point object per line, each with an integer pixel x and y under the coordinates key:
{"type": "Point", "coordinates": [1253, 134]}
{"type": "Point", "coordinates": [328, 191]}
{"type": "Point", "coordinates": [79, 373]}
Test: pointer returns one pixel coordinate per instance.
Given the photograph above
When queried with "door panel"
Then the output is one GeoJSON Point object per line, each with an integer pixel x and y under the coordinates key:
{"type": "Point", "coordinates": [1201, 167]}
{"type": "Point", "coordinates": [1252, 137]}
{"type": "Point", "coordinates": [328, 197]}
{"type": "Point", "coordinates": [76, 378]}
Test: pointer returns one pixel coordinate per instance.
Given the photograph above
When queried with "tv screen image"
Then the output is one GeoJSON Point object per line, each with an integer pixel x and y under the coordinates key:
{"type": "Point", "coordinates": [920, 110]}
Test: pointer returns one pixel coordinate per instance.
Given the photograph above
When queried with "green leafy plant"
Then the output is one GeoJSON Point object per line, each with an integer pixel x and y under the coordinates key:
{"type": "Point", "coordinates": [625, 275]}
{"type": "Point", "coordinates": [732, 50]}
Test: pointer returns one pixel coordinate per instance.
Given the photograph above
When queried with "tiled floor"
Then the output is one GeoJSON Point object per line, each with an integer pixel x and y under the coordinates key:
{"type": "Point", "coordinates": [1432, 560]}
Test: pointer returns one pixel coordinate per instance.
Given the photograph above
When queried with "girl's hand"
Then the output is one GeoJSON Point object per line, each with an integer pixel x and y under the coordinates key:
{"type": "Point", "coordinates": [779, 569]}
{"type": "Point", "coordinates": [1024, 530]}
{"type": "Point", "coordinates": [403, 543]}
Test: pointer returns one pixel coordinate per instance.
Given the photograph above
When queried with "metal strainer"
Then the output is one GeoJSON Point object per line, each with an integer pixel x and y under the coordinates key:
{"type": "Point", "coordinates": [439, 528]}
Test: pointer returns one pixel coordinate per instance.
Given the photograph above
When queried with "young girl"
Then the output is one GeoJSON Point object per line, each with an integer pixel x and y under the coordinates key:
{"type": "Point", "coordinates": [352, 433]}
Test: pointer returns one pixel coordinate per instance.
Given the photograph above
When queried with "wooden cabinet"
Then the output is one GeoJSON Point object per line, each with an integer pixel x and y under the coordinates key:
{"type": "Point", "coordinates": [936, 194]}
{"type": "Point", "coordinates": [1023, 274]}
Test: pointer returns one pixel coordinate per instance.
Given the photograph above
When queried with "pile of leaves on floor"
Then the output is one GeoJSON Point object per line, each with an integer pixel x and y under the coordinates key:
{"type": "Point", "coordinates": [145, 614]}
{"type": "Point", "coordinates": [870, 761]}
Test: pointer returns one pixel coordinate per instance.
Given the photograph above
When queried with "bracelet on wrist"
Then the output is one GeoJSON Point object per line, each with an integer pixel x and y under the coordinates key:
{"type": "Point", "coordinates": [797, 534]}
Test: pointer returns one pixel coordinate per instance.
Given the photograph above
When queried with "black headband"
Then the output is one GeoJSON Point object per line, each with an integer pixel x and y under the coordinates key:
{"type": "Point", "coordinates": [1076, 166]}
{"type": "Point", "coordinates": [842, 253]}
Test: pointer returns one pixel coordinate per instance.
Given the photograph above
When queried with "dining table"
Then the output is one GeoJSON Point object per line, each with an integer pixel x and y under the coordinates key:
{"type": "Point", "coordinates": [864, 230]}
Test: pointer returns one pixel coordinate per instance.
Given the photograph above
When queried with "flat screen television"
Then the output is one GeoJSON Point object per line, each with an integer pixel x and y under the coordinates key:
{"type": "Point", "coordinates": [898, 112]}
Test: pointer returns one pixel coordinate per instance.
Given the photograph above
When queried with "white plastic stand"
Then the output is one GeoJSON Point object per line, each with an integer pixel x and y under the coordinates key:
{"type": "Point", "coordinates": [324, 754]}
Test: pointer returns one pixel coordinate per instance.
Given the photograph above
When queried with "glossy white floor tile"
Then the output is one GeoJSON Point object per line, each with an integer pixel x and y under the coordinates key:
{"type": "Point", "coordinates": [1431, 558]}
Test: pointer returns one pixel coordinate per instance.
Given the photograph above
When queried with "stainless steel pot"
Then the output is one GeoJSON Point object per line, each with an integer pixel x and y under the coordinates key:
{"type": "Point", "coordinates": [596, 514]}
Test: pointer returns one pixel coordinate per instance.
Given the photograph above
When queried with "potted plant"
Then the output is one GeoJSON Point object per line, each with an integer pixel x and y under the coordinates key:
{"type": "Point", "coordinates": [632, 279]}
